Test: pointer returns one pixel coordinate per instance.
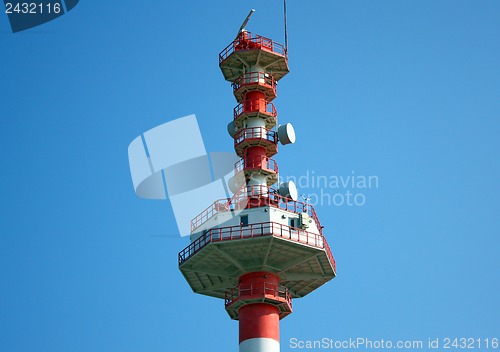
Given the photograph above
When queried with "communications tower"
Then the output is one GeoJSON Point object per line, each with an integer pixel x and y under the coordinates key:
{"type": "Point", "coordinates": [262, 247]}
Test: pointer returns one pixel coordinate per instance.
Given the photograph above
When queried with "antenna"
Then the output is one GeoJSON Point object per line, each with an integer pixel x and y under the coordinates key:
{"type": "Point", "coordinates": [242, 28]}
{"type": "Point", "coordinates": [284, 19]}
{"type": "Point", "coordinates": [268, 220]}
{"type": "Point", "coordinates": [306, 199]}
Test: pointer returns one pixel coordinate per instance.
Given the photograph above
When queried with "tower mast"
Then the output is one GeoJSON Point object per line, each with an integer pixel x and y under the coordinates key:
{"type": "Point", "coordinates": [262, 247]}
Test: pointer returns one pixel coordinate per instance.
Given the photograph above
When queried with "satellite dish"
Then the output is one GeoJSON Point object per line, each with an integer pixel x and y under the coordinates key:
{"type": "Point", "coordinates": [231, 129]}
{"type": "Point", "coordinates": [245, 22]}
{"type": "Point", "coordinates": [288, 190]}
{"type": "Point", "coordinates": [286, 134]}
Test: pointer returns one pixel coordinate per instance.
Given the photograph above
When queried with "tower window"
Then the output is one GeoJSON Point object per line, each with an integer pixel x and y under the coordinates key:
{"type": "Point", "coordinates": [244, 220]}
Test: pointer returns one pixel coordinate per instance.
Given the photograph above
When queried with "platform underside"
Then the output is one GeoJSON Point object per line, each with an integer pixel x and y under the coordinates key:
{"type": "Point", "coordinates": [239, 61]}
{"type": "Point", "coordinates": [215, 268]}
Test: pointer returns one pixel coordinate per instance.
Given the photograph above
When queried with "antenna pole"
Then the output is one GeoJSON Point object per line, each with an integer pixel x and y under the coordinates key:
{"type": "Point", "coordinates": [286, 31]}
{"type": "Point", "coordinates": [245, 21]}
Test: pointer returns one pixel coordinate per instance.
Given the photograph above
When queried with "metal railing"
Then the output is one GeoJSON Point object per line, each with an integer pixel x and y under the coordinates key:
{"type": "Point", "coordinates": [256, 162]}
{"type": "Point", "coordinates": [251, 78]}
{"type": "Point", "coordinates": [256, 230]}
{"type": "Point", "coordinates": [262, 289]}
{"type": "Point", "coordinates": [330, 256]}
{"type": "Point", "coordinates": [245, 41]}
{"type": "Point", "coordinates": [255, 133]}
{"type": "Point", "coordinates": [211, 210]}
{"type": "Point", "coordinates": [267, 196]}
{"type": "Point", "coordinates": [255, 106]}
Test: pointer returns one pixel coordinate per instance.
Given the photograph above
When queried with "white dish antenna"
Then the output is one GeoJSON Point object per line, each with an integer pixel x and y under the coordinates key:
{"type": "Point", "coordinates": [288, 190]}
{"type": "Point", "coordinates": [286, 134]}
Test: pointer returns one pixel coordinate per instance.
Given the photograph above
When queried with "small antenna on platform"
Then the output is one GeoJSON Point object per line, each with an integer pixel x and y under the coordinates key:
{"type": "Point", "coordinates": [245, 22]}
{"type": "Point", "coordinates": [306, 199]}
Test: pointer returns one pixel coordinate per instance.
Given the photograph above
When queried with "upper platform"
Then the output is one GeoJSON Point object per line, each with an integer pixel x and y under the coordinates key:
{"type": "Point", "coordinates": [213, 263]}
{"type": "Point", "coordinates": [254, 81]}
{"type": "Point", "coordinates": [235, 237]}
{"type": "Point", "coordinates": [243, 200]}
{"type": "Point", "coordinates": [258, 51]}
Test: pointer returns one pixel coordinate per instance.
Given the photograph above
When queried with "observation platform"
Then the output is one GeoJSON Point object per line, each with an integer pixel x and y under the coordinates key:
{"type": "Point", "coordinates": [263, 165]}
{"type": "Point", "coordinates": [213, 263]}
{"type": "Point", "coordinates": [255, 81]}
{"type": "Point", "coordinates": [258, 108]}
{"type": "Point", "coordinates": [261, 292]}
{"type": "Point", "coordinates": [256, 136]}
{"type": "Point", "coordinates": [266, 197]}
{"type": "Point", "coordinates": [253, 51]}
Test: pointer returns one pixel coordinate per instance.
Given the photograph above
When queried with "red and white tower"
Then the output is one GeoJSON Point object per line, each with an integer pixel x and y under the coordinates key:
{"type": "Point", "coordinates": [262, 247]}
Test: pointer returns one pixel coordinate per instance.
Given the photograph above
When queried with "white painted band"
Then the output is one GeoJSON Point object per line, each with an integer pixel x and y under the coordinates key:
{"type": "Point", "coordinates": [260, 345]}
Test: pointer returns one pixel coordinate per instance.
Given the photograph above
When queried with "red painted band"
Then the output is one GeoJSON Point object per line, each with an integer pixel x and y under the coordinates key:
{"type": "Point", "coordinates": [259, 277]}
{"type": "Point", "coordinates": [259, 320]}
{"type": "Point", "coordinates": [255, 95]}
{"type": "Point", "coordinates": [256, 152]}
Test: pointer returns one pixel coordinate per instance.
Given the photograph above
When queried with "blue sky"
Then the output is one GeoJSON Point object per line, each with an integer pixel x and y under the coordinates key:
{"type": "Point", "coordinates": [407, 91]}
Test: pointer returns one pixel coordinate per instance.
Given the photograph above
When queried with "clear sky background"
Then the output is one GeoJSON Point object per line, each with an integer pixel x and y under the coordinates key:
{"type": "Point", "coordinates": [407, 91]}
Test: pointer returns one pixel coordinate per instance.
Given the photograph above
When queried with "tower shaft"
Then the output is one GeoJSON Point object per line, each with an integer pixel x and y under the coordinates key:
{"type": "Point", "coordinates": [259, 328]}
{"type": "Point", "coordinates": [259, 322]}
